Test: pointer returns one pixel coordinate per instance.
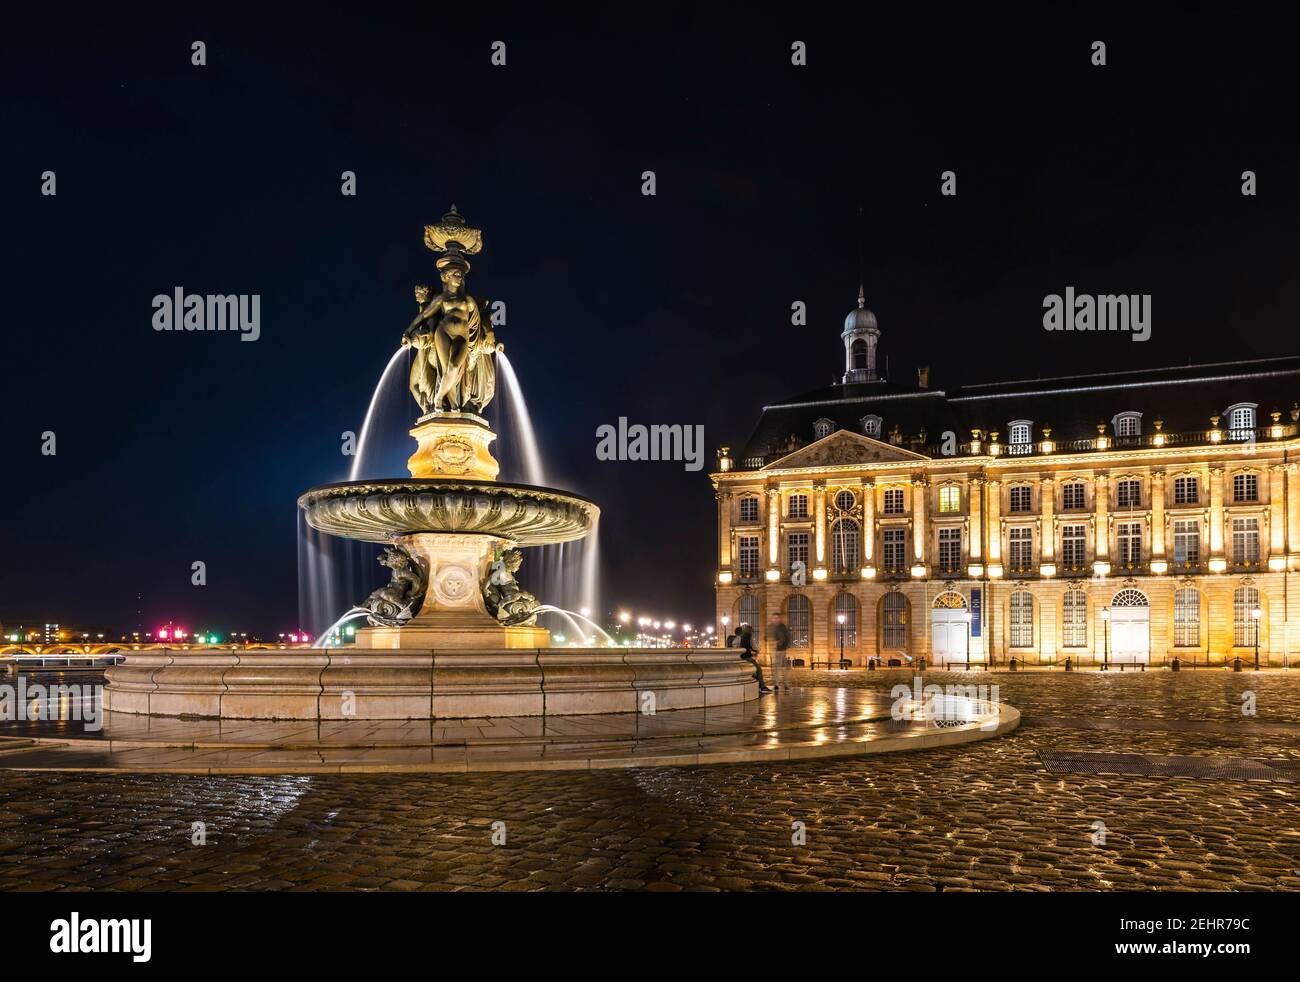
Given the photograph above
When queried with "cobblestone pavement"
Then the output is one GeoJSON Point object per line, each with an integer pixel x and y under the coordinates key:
{"type": "Point", "coordinates": [988, 816]}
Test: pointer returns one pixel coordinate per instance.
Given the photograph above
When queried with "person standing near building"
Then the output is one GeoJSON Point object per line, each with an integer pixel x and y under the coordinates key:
{"type": "Point", "coordinates": [745, 639]}
{"type": "Point", "coordinates": [779, 635]}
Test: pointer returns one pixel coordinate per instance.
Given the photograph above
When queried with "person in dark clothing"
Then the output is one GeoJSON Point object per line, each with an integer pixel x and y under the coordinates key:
{"type": "Point", "coordinates": [745, 639]}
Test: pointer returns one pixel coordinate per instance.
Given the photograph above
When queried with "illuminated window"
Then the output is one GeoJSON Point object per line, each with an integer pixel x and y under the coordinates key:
{"type": "Point", "coordinates": [1074, 619]}
{"type": "Point", "coordinates": [844, 500]}
{"type": "Point", "coordinates": [846, 544]}
{"type": "Point", "coordinates": [893, 501]}
{"type": "Point", "coordinates": [796, 549]}
{"type": "Point", "coordinates": [893, 549]}
{"type": "Point", "coordinates": [1022, 498]}
{"type": "Point", "coordinates": [894, 621]}
{"type": "Point", "coordinates": [1129, 539]}
{"type": "Point", "coordinates": [1128, 424]}
{"type": "Point", "coordinates": [1074, 546]}
{"type": "Point", "coordinates": [1187, 618]}
{"type": "Point", "coordinates": [1187, 542]}
{"type": "Point", "coordinates": [1187, 491]}
{"type": "Point", "coordinates": [1128, 494]}
{"type": "Point", "coordinates": [1245, 541]}
{"type": "Point", "coordinates": [950, 549]}
{"type": "Point", "coordinates": [950, 498]}
{"type": "Point", "coordinates": [1245, 487]}
{"type": "Point", "coordinates": [1020, 436]}
{"type": "Point", "coordinates": [798, 507]}
{"type": "Point", "coordinates": [845, 605]}
{"type": "Point", "coordinates": [1241, 421]}
{"type": "Point", "coordinates": [1022, 619]}
{"type": "Point", "coordinates": [1073, 495]}
{"type": "Point", "coordinates": [747, 555]}
{"type": "Point", "coordinates": [1021, 548]}
{"type": "Point", "coordinates": [748, 611]}
{"type": "Point", "coordinates": [1244, 626]}
{"type": "Point", "coordinates": [749, 509]}
{"type": "Point", "coordinates": [799, 615]}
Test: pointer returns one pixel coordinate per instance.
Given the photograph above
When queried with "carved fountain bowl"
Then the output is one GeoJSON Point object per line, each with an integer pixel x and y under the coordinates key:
{"type": "Point", "coordinates": [379, 511]}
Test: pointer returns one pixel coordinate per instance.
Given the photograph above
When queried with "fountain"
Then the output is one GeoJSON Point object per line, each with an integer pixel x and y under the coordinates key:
{"type": "Point", "coordinates": [452, 634]}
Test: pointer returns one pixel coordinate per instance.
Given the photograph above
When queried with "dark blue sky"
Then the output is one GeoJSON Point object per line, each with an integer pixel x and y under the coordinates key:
{"type": "Point", "coordinates": [671, 309]}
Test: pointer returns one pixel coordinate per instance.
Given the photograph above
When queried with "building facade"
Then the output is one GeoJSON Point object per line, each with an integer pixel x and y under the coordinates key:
{"type": "Point", "coordinates": [1126, 519]}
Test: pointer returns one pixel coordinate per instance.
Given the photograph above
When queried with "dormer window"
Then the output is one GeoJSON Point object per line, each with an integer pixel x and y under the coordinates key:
{"type": "Point", "coordinates": [1241, 420]}
{"type": "Point", "coordinates": [1128, 424]}
{"type": "Point", "coordinates": [823, 427]}
{"type": "Point", "coordinates": [1020, 436]}
{"type": "Point", "coordinates": [871, 425]}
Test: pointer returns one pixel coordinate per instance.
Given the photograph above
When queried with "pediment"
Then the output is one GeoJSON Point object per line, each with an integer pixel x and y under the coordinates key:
{"type": "Point", "coordinates": [844, 448]}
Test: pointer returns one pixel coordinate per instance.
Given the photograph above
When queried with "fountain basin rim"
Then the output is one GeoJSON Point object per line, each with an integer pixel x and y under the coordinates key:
{"type": "Point", "coordinates": [389, 485]}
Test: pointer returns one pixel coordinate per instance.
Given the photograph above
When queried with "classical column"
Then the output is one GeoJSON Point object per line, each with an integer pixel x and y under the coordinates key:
{"type": "Point", "coordinates": [920, 503]}
{"type": "Point", "coordinates": [995, 521]}
{"type": "Point", "coordinates": [1216, 513]}
{"type": "Point", "coordinates": [773, 528]}
{"type": "Point", "coordinates": [819, 503]}
{"type": "Point", "coordinates": [1101, 509]}
{"type": "Point", "coordinates": [868, 521]}
{"type": "Point", "coordinates": [975, 536]}
{"type": "Point", "coordinates": [724, 529]}
{"type": "Point", "coordinates": [1158, 515]}
{"type": "Point", "coordinates": [1276, 504]}
{"type": "Point", "coordinates": [1047, 535]}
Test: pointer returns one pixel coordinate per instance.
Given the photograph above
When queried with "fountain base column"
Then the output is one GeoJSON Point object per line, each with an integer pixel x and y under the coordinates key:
{"type": "Point", "coordinates": [453, 614]}
{"type": "Point", "coordinates": [453, 445]}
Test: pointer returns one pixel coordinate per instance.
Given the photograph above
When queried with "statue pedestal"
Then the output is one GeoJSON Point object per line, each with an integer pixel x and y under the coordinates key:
{"type": "Point", "coordinates": [453, 614]}
{"type": "Point", "coordinates": [453, 445]}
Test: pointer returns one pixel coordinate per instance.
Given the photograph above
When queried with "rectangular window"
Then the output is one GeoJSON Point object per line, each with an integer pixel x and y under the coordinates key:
{"type": "Point", "coordinates": [1245, 540]}
{"type": "Point", "coordinates": [1129, 540]}
{"type": "Point", "coordinates": [950, 498]}
{"type": "Point", "coordinates": [1074, 546]}
{"type": "Point", "coordinates": [798, 507]}
{"type": "Point", "coordinates": [1245, 487]}
{"type": "Point", "coordinates": [894, 549]}
{"type": "Point", "coordinates": [1128, 494]}
{"type": "Point", "coordinates": [1187, 543]}
{"type": "Point", "coordinates": [893, 501]}
{"type": "Point", "coordinates": [950, 549]}
{"type": "Point", "coordinates": [1187, 618]}
{"type": "Point", "coordinates": [1074, 620]}
{"type": "Point", "coordinates": [1072, 495]}
{"type": "Point", "coordinates": [1022, 619]}
{"type": "Point", "coordinates": [1128, 426]}
{"type": "Point", "coordinates": [747, 555]}
{"type": "Point", "coordinates": [1187, 491]}
{"type": "Point", "coordinates": [796, 549]}
{"type": "Point", "coordinates": [1021, 551]}
{"type": "Point", "coordinates": [749, 509]}
{"type": "Point", "coordinates": [1022, 498]}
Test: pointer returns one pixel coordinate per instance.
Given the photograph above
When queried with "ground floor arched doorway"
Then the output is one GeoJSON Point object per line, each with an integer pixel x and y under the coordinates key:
{"type": "Point", "coordinates": [948, 628]}
{"type": "Point", "coordinates": [1130, 628]}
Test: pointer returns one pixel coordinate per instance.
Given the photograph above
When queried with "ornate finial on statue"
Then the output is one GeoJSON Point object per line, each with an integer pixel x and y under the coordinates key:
{"type": "Point", "coordinates": [454, 235]}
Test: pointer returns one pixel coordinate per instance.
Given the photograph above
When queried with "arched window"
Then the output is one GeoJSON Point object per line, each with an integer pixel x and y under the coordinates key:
{"type": "Point", "coordinates": [1241, 420]}
{"type": "Point", "coordinates": [1128, 424]}
{"type": "Point", "coordinates": [871, 425]}
{"type": "Point", "coordinates": [748, 612]}
{"type": "Point", "coordinates": [1129, 597]}
{"type": "Point", "coordinates": [1020, 436]}
{"type": "Point", "coordinates": [1074, 619]}
{"type": "Point", "coordinates": [844, 500]}
{"type": "Point", "coordinates": [1244, 624]}
{"type": "Point", "coordinates": [858, 353]}
{"type": "Point", "coordinates": [799, 613]}
{"type": "Point", "coordinates": [847, 607]}
{"type": "Point", "coordinates": [894, 620]}
{"type": "Point", "coordinates": [846, 544]}
{"type": "Point", "coordinates": [1187, 617]}
{"type": "Point", "coordinates": [1022, 619]}
{"type": "Point", "coordinates": [823, 427]}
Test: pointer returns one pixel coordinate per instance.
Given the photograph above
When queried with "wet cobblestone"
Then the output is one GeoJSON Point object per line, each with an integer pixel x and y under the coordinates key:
{"type": "Point", "coordinates": [983, 817]}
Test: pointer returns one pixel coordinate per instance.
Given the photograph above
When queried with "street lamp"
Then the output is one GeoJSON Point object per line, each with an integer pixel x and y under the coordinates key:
{"type": "Point", "coordinates": [1105, 616]}
{"type": "Point", "coordinates": [840, 619]}
{"type": "Point", "coordinates": [965, 616]}
{"type": "Point", "coordinates": [1256, 613]}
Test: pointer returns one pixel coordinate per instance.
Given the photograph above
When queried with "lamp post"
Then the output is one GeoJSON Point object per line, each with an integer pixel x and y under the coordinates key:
{"type": "Point", "coordinates": [840, 620]}
{"type": "Point", "coordinates": [1256, 613]}
{"type": "Point", "coordinates": [725, 622]}
{"type": "Point", "coordinates": [1105, 616]}
{"type": "Point", "coordinates": [965, 616]}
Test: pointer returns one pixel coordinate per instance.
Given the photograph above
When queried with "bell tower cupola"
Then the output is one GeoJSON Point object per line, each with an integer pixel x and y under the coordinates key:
{"type": "Point", "coordinates": [860, 337]}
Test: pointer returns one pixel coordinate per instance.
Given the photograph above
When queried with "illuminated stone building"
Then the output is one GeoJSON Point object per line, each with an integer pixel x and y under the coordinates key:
{"type": "Point", "coordinates": [1127, 518]}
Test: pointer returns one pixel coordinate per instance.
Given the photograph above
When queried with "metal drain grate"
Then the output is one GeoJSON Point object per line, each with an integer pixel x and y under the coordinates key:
{"type": "Point", "coordinates": [1144, 765]}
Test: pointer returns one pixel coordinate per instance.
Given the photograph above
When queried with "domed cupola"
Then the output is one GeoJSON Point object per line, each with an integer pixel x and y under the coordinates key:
{"type": "Point", "coordinates": [860, 337]}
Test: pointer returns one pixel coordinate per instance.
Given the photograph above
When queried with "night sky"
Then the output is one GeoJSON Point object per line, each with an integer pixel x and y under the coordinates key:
{"type": "Point", "coordinates": [775, 184]}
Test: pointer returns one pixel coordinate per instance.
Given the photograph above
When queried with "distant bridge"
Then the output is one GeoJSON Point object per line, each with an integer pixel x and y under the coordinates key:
{"type": "Point", "coordinates": [123, 647]}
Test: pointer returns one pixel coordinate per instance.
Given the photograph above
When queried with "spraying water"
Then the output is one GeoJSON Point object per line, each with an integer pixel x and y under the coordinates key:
{"type": "Point", "coordinates": [572, 617]}
{"type": "Point", "coordinates": [521, 421]}
{"type": "Point", "coordinates": [386, 380]}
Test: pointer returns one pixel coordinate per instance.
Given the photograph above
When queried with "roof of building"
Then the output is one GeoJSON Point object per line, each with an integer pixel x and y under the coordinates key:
{"type": "Point", "coordinates": [1183, 397]}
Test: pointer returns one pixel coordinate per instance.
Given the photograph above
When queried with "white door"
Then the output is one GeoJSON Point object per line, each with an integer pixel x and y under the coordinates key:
{"type": "Point", "coordinates": [947, 635]}
{"type": "Point", "coordinates": [1130, 635]}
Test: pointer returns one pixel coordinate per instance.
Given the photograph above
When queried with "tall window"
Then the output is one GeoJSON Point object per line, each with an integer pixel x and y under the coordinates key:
{"type": "Point", "coordinates": [749, 611]}
{"type": "Point", "coordinates": [1128, 494]}
{"type": "Point", "coordinates": [1022, 498]}
{"type": "Point", "coordinates": [846, 544]}
{"type": "Point", "coordinates": [894, 549]}
{"type": "Point", "coordinates": [1020, 437]}
{"type": "Point", "coordinates": [845, 605]}
{"type": "Point", "coordinates": [1021, 548]}
{"type": "Point", "coordinates": [747, 555]}
{"type": "Point", "coordinates": [893, 611]}
{"type": "Point", "coordinates": [1129, 539]}
{"type": "Point", "coordinates": [1074, 619]}
{"type": "Point", "coordinates": [950, 549]}
{"type": "Point", "coordinates": [798, 506]}
{"type": "Point", "coordinates": [950, 498]}
{"type": "Point", "coordinates": [1187, 542]}
{"type": "Point", "coordinates": [1245, 540]}
{"type": "Point", "coordinates": [1241, 420]}
{"type": "Point", "coordinates": [1187, 491]}
{"type": "Point", "coordinates": [844, 500]}
{"type": "Point", "coordinates": [796, 549]}
{"type": "Point", "coordinates": [1244, 600]}
{"type": "Point", "coordinates": [1245, 487]}
{"type": "Point", "coordinates": [1072, 495]}
{"type": "Point", "coordinates": [799, 613]}
{"type": "Point", "coordinates": [1022, 619]}
{"type": "Point", "coordinates": [893, 501]}
{"type": "Point", "coordinates": [1074, 546]}
{"type": "Point", "coordinates": [1187, 617]}
{"type": "Point", "coordinates": [749, 509]}
{"type": "Point", "coordinates": [858, 354]}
